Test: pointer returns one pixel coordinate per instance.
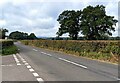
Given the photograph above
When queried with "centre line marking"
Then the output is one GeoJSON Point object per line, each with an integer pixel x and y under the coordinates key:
{"type": "Point", "coordinates": [35, 50]}
{"type": "Point", "coordinates": [43, 53]}
{"type": "Point", "coordinates": [73, 63]}
{"type": "Point", "coordinates": [67, 61]}
{"type": "Point", "coordinates": [46, 54]}
{"type": "Point", "coordinates": [16, 59]}
{"type": "Point", "coordinates": [49, 54]}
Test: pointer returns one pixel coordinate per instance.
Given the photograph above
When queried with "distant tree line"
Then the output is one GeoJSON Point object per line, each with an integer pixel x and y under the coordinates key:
{"type": "Point", "coordinates": [22, 36]}
{"type": "Point", "coordinates": [92, 22]}
{"type": "Point", "coordinates": [17, 35]}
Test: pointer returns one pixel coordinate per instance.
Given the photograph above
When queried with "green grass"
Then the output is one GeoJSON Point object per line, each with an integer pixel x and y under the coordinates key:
{"type": "Point", "coordinates": [9, 50]}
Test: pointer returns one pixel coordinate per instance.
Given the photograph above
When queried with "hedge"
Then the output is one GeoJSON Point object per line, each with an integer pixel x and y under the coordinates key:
{"type": "Point", "coordinates": [105, 50]}
{"type": "Point", "coordinates": [6, 43]}
{"type": "Point", "coordinates": [7, 47]}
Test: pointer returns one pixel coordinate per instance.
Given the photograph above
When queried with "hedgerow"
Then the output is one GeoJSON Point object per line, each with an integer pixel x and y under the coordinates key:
{"type": "Point", "coordinates": [104, 50]}
{"type": "Point", "coordinates": [6, 43]}
{"type": "Point", "coordinates": [7, 47]}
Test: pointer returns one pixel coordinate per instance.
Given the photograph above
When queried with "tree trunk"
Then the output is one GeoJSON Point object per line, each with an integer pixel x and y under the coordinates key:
{"type": "Point", "coordinates": [74, 37]}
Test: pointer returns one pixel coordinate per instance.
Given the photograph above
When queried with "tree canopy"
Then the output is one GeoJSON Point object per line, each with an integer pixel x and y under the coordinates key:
{"type": "Point", "coordinates": [69, 23]}
{"type": "Point", "coordinates": [92, 22]}
{"type": "Point", "coordinates": [21, 35]}
{"type": "Point", "coordinates": [95, 24]}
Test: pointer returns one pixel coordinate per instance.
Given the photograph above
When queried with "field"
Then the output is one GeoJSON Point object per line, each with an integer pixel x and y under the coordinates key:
{"type": "Point", "coordinates": [102, 50]}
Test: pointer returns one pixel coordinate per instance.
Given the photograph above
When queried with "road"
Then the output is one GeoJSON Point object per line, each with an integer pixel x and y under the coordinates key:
{"type": "Point", "coordinates": [36, 64]}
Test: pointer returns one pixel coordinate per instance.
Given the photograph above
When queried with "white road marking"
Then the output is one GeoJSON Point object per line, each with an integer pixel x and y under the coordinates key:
{"type": "Point", "coordinates": [24, 61]}
{"type": "Point", "coordinates": [73, 63]}
{"type": "Point", "coordinates": [28, 66]}
{"type": "Point", "coordinates": [35, 74]}
{"type": "Point", "coordinates": [46, 53]}
{"type": "Point", "coordinates": [20, 57]}
{"type": "Point", "coordinates": [35, 50]}
{"type": "Point", "coordinates": [16, 59]}
{"type": "Point", "coordinates": [40, 79]}
{"type": "Point", "coordinates": [43, 53]}
{"type": "Point", "coordinates": [49, 54]}
{"type": "Point", "coordinates": [31, 70]}
{"type": "Point", "coordinates": [18, 64]}
{"type": "Point", "coordinates": [117, 78]}
{"type": "Point", "coordinates": [66, 60]}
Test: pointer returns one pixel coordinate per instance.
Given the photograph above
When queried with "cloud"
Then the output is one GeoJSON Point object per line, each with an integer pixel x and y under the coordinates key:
{"type": "Point", "coordinates": [40, 16]}
{"type": "Point", "coordinates": [2, 22]}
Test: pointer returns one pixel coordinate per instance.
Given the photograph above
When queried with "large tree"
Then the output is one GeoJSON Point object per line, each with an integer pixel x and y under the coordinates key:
{"type": "Point", "coordinates": [95, 24]}
{"type": "Point", "coordinates": [69, 23]}
{"type": "Point", "coordinates": [3, 33]}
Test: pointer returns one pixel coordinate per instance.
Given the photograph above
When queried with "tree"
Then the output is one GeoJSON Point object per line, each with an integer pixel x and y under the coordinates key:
{"type": "Point", "coordinates": [3, 33]}
{"type": "Point", "coordinates": [25, 35]}
{"type": "Point", "coordinates": [32, 36]}
{"type": "Point", "coordinates": [95, 24]}
{"type": "Point", "coordinates": [21, 35]}
{"type": "Point", "coordinates": [18, 35]}
{"type": "Point", "coordinates": [69, 23]}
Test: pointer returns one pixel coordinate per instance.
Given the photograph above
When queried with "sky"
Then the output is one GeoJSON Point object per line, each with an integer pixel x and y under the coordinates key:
{"type": "Point", "coordinates": [40, 16]}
